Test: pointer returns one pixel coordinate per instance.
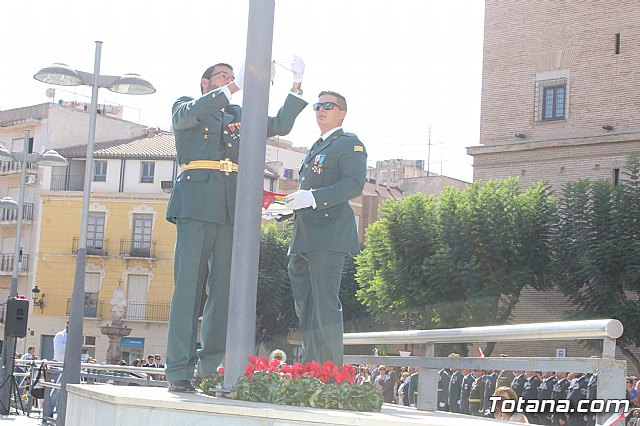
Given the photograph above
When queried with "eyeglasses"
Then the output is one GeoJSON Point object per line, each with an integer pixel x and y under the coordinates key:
{"type": "Point", "coordinates": [328, 106]}
{"type": "Point", "coordinates": [223, 75]}
{"type": "Point", "coordinates": [158, 358]}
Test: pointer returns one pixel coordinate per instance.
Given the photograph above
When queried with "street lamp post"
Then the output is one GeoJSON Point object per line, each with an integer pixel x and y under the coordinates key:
{"type": "Point", "coordinates": [49, 158]}
{"type": "Point", "coordinates": [132, 84]}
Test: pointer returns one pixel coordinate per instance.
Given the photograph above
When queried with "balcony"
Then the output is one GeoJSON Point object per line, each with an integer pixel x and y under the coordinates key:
{"type": "Point", "coordinates": [92, 308]}
{"type": "Point", "coordinates": [8, 216]}
{"type": "Point", "coordinates": [135, 248]}
{"type": "Point", "coordinates": [6, 263]}
{"type": "Point", "coordinates": [147, 311]}
{"type": "Point", "coordinates": [15, 167]}
{"type": "Point", "coordinates": [95, 247]}
{"type": "Point", "coordinates": [67, 183]}
{"type": "Point", "coordinates": [135, 311]}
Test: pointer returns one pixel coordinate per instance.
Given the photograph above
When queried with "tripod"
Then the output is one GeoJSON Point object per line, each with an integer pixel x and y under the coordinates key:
{"type": "Point", "coordinates": [13, 395]}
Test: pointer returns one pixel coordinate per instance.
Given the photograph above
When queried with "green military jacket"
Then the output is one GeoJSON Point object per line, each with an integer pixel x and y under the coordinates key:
{"type": "Point", "coordinates": [335, 171]}
{"type": "Point", "coordinates": [208, 128]}
{"type": "Point", "coordinates": [476, 395]}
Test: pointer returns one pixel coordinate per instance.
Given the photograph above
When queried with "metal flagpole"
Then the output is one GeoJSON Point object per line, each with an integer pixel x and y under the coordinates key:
{"type": "Point", "coordinates": [244, 263]}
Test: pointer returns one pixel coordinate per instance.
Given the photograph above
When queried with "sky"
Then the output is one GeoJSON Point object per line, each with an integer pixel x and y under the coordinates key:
{"type": "Point", "coordinates": [408, 68]}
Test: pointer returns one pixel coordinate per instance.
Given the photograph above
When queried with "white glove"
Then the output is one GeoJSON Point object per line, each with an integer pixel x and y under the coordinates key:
{"type": "Point", "coordinates": [300, 200]}
{"type": "Point", "coordinates": [240, 77]}
{"type": "Point", "coordinates": [297, 68]}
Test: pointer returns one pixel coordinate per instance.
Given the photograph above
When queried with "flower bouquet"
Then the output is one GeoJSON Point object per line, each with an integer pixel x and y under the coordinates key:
{"type": "Point", "coordinates": [308, 385]}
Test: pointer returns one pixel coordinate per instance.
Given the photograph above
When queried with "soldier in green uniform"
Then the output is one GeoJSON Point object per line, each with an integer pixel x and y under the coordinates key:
{"type": "Point", "coordinates": [476, 394]}
{"type": "Point", "coordinates": [202, 205]}
{"type": "Point", "coordinates": [443, 389]}
{"type": "Point", "coordinates": [324, 229]}
{"type": "Point", "coordinates": [455, 388]}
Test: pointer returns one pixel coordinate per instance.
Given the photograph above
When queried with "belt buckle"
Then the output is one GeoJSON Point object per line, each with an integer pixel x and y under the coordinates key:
{"type": "Point", "coordinates": [226, 166]}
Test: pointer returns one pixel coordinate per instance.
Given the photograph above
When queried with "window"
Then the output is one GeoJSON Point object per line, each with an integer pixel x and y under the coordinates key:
{"type": "Point", "coordinates": [616, 177]}
{"type": "Point", "coordinates": [141, 241]}
{"type": "Point", "coordinates": [95, 233]}
{"type": "Point", "coordinates": [91, 292]}
{"type": "Point", "coordinates": [147, 171]}
{"type": "Point", "coordinates": [617, 48]}
{"type": "Point", "coordinates": [551, 99]}
{"type": "Point", "coordinates": [100, 171]}
{"type": "Point", "coordinates": [137, 289]}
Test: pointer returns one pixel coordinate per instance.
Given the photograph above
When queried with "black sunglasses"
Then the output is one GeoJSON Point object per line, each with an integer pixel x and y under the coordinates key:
{"type": "Point", "coordinates": [326, 105]}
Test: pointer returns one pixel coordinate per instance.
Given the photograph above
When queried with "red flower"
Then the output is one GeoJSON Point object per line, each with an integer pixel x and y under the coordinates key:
{"type": "Point", "coordinates": [220, 370]}
{"type": "Point", "coordinates": [327, 371]}
{"type": "Point", "coordinates": [249, 370]}
{"type": "Point", "coordinates": [297, 370]}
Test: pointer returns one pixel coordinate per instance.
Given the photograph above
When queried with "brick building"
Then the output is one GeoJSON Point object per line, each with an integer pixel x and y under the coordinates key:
{"type": "Point", "coordinates": [560, 101]}
{"type": "Point", "coordinates": [560, 96]}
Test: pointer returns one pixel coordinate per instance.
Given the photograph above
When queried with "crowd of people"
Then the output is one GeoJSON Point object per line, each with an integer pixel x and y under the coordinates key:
{"type": "Point", "coordinates": [470, 392]}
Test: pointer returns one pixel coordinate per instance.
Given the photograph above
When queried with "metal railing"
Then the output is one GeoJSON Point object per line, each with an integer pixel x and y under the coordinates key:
{"type": "Point", "coordinates": [147, 311]}
{"type": "Point", "coordinates": [11, 215]}
{"type": "Point", "coordinates": [6, 263]}
{"type": "Point", "coordinates": [135, 248]}
{"type": "Point", "coordinates": [95, 247]}
{"type": "Point", "coordinates": [611, 372]}
{"type": "Point", "coordinates": [67, 183]}
{"type": "Point", "coordinates": [13, 167]}
{"type": "Point", "coordinates": [92, 308]}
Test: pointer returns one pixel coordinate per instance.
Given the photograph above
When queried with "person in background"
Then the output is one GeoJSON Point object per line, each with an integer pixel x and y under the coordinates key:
{"type": "Point", "coordinates": [506, 393]}
{"type": "Point", "coordinates": [59, 347]}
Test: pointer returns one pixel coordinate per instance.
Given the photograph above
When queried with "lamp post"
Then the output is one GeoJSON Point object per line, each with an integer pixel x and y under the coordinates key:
{"type": "Point", "coordinates": [132, 84]}
{"type": "Point", "coordinates": [49, 158]}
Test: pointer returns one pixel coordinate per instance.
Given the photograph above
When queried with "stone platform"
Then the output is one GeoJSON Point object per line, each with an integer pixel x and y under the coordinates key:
{"type": "Point", "coordinates": [107, 405]}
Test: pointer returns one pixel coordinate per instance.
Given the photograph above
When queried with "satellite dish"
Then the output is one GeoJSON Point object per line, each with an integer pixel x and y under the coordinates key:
{"type": "Point", "coordinates": [51, 92]}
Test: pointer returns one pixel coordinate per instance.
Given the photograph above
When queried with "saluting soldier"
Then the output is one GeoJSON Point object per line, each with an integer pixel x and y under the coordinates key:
{"type": "Point", "coordinates": [455, 389]}
{"type": "Point", "coordinates": [592, 389]}
{"type": "Point", "coordinates": [468, 380]}
{"type": "Point", "coordinates": [476, 395]}
{"type": "Point", "coordinates": [202, 206]}
{"type": "Point", "coordinates": [530, 392]}
{"type": "Point", "coordinates": [545, 393]}
{"type": "Point", "coordinates": [559, 392]}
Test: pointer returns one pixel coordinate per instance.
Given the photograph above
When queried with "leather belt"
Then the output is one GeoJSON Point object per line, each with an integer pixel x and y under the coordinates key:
{"type": "Point", "coordinates": [227, 166]}
{"type": "Point", "coordinates": [475, 400]}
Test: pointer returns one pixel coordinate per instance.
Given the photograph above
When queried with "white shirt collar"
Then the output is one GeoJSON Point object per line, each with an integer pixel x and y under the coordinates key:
{"type": "Point", "coordinates": [326, 135]}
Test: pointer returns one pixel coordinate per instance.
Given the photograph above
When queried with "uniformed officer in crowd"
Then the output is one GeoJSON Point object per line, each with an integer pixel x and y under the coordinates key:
{"type": "Point", "coordinates": [444, 377]}
{"type": "Point", "coordinates": [530, 392]}
{"type": "Point", "coordinates": [505, 377]}
{"type": "Point", "coordinates": [544, 394]}
{"type": "Point", "coordinates": [489, 388]}
{"type": "Point", "coordinates": [576, 392]}
{"type": "Point", "coordinates": [455, 389]}
{"type": "Point", "coordinates": [476, 395]}
{"type": "Point", "coordinates": [559, 392]}
{"type": "Point", "coordinates": [517, 384]}
{"type": "Point", "coordinates": [468, 380]}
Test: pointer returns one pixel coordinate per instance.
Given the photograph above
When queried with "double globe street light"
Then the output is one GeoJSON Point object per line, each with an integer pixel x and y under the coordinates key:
{"type": "Point", "coordinates": [131, 84]}
{"type": "Point", "coordinates": [49, 158]}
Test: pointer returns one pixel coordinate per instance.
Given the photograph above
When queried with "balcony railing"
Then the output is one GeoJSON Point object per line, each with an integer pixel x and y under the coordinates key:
{"type": "Point", "coordinates": [6, 263]}
{"type": "Point", "coordinates": [11, 215]}
{"type": "Point", "coordinates": [147, 311]}
{"type": "Point", "coordinates": [67, 183]}
{"type": "Point", "coordinates": [135, 248]}
{"type": "Point", "coordinates": [13, 167]}
{"type": "Point", "coordinates": [95, 247]}
{"type": "Point", "coordinates": [92, 308]}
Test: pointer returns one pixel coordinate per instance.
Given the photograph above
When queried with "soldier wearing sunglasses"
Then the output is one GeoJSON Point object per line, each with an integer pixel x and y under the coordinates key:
{"type": "Point", "coordinates": [324, 230]}
{"type": "Point", "coordinates": [202, 205]}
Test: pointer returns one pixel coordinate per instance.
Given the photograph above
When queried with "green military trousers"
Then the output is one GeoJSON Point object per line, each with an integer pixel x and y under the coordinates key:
{"type": "Point", "coordinates": [315, 281]}
{"type": "Point", "coordinates": [200, 247]}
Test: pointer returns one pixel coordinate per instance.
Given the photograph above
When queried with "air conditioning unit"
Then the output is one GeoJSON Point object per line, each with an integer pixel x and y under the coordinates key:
{"type": "Point", "coordinates": [31, 179]}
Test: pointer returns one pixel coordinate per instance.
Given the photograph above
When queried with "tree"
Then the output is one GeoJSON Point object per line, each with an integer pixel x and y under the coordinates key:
{"type": "Point", "coordinates": [275, 312]}
{"type": "Point", "coordinates": [597, 250]}
{"type": "Point", "coordinates": [459, 260]}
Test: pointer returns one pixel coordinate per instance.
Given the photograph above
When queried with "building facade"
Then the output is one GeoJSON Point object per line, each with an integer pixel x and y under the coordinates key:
{"type": "Point", "coordinates": [559, 91]}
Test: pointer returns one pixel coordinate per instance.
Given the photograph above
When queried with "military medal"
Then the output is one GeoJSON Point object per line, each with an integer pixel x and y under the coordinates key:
{"type": "Point", "coordinates": [318, 163]}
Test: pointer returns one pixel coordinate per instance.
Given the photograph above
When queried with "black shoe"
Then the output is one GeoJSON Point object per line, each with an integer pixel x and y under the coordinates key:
{"type": "Point", "coordinates": [181, 386]}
